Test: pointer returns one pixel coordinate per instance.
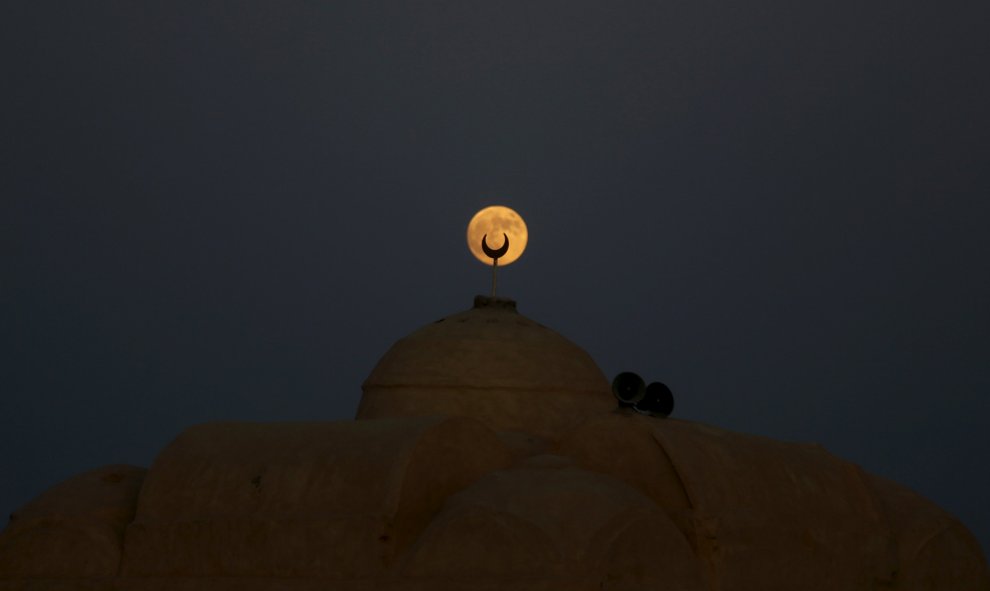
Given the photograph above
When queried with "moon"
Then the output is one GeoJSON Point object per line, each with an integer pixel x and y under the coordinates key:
{"type": "Point", "coordinates": [494, 221]}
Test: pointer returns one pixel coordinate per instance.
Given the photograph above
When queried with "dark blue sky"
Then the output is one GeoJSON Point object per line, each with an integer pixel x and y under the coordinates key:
{"type": "Point", "coordinates": [230, 210]}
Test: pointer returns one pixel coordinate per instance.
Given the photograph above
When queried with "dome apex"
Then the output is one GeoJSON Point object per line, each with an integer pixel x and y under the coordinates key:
{"type": "Point", "coordinates": [493, 364]}
{"type": "Point", "coordinates": [481, 301]}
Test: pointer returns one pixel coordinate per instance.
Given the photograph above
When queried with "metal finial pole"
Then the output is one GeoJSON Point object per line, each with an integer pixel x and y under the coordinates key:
{"type": "Point", "coordinates": [496, 255]}
{"type": "Point", "coordinates": [494, 276]}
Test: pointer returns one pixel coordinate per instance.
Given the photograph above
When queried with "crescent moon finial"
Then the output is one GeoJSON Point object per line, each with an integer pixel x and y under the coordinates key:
{"type": "Point", "coordinates": [495, 254]}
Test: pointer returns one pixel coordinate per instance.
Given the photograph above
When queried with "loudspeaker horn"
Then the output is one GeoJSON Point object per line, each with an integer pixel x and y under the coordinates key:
{"type": "Point", "coordinates": [628, 388]}
{"type": "Point", "coordinates": [657, 400]}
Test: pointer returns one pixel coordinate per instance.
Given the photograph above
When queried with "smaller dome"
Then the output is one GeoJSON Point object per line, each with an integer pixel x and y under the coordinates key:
{"type": "Point", "coordinates": [493, 364]}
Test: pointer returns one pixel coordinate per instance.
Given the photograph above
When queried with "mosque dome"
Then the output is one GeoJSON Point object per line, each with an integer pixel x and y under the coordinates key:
{"type": "Point", "coordinates": [489, 455]}
{"type": "Point", "coordinates": [493, 364]}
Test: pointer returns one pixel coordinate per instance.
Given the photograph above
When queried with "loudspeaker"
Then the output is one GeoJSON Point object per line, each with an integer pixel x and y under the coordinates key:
{"type": "Point", "coordinates": [628, 388]}
{"type": "Point", "coordinates": [657, 400]}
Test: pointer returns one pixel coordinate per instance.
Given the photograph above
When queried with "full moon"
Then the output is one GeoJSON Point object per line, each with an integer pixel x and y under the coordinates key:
{"type": "Point", "coordinates": [495, 221]}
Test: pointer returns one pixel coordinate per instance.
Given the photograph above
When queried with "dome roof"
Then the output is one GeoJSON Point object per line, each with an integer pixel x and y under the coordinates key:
{"type": "Point", "coordinates": [427, 503]}
{"type": "Point", "coordinates": [531, 481]}
{"type": "Point", "coordinates": [493, 364]}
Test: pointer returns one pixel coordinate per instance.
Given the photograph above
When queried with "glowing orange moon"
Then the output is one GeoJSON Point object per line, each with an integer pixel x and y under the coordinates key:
{"type": "Point", "coordinates": [494, 221]}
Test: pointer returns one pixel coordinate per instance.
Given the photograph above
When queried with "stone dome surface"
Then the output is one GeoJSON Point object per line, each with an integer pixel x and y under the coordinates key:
{"type": "Point", "coordinates": [462, 476]}
{"type": "Point", "coordinates": [493, 364]}
{"type": "Point", "coordinates": [426, 503]}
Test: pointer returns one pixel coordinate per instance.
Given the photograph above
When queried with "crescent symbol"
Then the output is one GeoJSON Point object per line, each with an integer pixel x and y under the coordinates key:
{"type": "Point", "coordinates": [495, 254]}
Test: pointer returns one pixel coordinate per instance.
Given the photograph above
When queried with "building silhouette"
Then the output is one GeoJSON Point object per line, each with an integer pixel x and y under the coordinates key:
{"type": "Point", "coordinates": [487, 453]}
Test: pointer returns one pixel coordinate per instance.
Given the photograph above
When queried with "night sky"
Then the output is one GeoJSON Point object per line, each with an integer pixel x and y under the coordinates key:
{"type": "Point", "coordinates": [229, 211]}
